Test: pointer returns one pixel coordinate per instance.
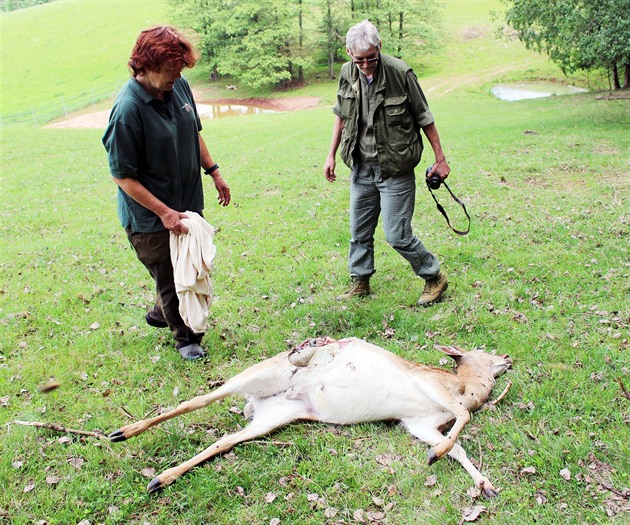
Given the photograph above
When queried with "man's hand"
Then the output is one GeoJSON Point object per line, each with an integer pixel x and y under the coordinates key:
{"type": "Point", "coordinates": [329, 169]}
{"type": "Point", "coordinates": [440, 167]}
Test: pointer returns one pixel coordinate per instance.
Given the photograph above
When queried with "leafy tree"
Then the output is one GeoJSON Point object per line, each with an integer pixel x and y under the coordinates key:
{"type": "Point", "coordinates": [332, 27]}
{"type": "Point", "coordinates": [257, 43]}
{"type": "Point", "coordinates": [406, 27]}
{"type": "Point", "coordinates": [262, 43]}
{"type": "Point", "coordinates": [203, 17]}
{"type": "Point", "coordinates": [576, 34]}
{"type": "Point", "coordinates": [13, 5]}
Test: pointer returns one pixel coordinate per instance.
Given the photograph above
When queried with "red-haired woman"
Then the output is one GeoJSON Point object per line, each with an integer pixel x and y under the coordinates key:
{"type": "Point", "coordinates": [156, 154]}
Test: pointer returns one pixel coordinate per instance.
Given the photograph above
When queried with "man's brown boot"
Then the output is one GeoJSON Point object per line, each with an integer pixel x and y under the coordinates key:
{"type": "Point", "coordinates": [359, 288]}
{"type": "Point", "coordinates": [433, 289]}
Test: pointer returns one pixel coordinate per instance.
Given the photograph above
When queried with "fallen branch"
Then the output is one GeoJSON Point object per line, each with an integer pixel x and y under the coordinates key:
{"type": "Point", "coordinates": [480, 456]}
{"type": "Point", "coordinates": [609, 487]}
{"type": "Point", "coordinates": [59, 428]}
{"type": "Point", "coordinates": [503, 394]}
{"type": "Point", "coordinates": [624, 392]}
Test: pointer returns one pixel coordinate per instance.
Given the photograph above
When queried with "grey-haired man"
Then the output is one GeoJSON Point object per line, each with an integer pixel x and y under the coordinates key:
{"type": "Point", "coordinates": [379, 113]}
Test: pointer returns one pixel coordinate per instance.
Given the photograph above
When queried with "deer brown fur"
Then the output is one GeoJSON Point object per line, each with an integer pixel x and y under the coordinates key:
{"type": "Point", "coordinates": [345, 382]}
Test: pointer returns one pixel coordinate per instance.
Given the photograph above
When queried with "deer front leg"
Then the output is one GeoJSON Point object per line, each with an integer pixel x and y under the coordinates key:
{"type": "Point", "coordinates": [446, 403]}
{"type": "Point", "coordinates": [426, 431]}
{"type": "Point", "coordinates": [448, 442]}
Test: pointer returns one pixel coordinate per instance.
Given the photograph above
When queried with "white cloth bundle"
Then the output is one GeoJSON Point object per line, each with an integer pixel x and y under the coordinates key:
{"type": "Point", "coordinates": [192, 255]}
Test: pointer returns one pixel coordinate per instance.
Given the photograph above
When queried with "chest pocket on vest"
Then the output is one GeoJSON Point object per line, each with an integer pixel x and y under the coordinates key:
{"type": "Point", "coordinates": [399, 124]}
{"type": "Point", "coordinates": [347, 102]}
{"type": "Point", "coordinates": [396, 112]}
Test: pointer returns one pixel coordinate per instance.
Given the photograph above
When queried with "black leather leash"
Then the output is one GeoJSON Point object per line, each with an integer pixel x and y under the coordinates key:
{"type": "Point", "coordinates": [443, 212]}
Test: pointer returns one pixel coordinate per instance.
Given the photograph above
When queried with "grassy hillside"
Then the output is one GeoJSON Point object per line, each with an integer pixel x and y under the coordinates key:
{"type": "Point", "coordinates": [65, 49]}
{"type": "Point", "coordinates": [477, 52]}
{"type": "Point", "coordinates": [542, 276]}
{"type": "Point", "coordinates": [70, 53]}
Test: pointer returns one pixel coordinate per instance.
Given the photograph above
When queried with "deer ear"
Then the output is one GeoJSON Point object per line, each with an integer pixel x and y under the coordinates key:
{"type": "Point", "coordinates": [451, 351]}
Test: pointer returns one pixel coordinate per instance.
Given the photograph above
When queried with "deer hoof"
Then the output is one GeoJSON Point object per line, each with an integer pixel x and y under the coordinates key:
{"type": "Point", "coordinates": [488, 492]}
{"type": "Point", "coordinates": [117, 436]}
{"type": "Point", "coordinates": [432, 457]}
{"type": "Point", "coordinates": [155, 485]}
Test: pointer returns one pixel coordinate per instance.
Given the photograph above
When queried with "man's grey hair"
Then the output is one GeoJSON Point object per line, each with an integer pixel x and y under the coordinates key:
{"type": "Point", "coordinates": [362, 36]}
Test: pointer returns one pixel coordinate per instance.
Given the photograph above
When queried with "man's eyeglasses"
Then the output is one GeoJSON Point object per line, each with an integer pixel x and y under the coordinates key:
{"type": "Point", "coordinates": [365, 60]}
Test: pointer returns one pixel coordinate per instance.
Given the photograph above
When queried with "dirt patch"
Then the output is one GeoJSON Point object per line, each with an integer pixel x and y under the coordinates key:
{"type": "Point", "coordinates": [623, 94]}
{"type": "Point", "coordinates": [276, 104]}
{"type": "Point", "coordinates": [99, 119]}
{"type": "Point", "coordinates": [95, 120]}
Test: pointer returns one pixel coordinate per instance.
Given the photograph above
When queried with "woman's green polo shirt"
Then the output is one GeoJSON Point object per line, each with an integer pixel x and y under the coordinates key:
{"type": "Point", "coordinates": [157, 143]}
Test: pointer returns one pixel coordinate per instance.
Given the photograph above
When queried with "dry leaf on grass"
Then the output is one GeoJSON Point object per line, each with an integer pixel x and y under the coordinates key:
{"type": "Point", "coordinates": [430, 481]}
{"type": "Point", "coordinates": [387, 459]}
{"type": "Point", "coordinates": [77, 463]}
{"type": "Point", "coordinates": [473, 513]}
{"type": "Point", "coordinates": [473, 492]}
{"type": "Point", "coordinates": [566, 473]}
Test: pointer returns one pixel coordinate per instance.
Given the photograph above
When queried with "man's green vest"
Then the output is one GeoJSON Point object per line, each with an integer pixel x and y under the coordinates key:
{"type": "Point", "coordinates": [398, 140]}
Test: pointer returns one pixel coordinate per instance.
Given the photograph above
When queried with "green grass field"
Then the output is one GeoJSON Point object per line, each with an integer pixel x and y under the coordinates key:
{"type": "Point", "coordinates": [543, 275]}
{"type": "Point", "coordinates": [60, 55]}
{"type": "Point", "coordinates": [55, 53]}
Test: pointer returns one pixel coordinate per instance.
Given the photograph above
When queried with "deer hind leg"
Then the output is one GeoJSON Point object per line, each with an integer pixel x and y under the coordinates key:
{"type": "Point", "coordinates": [270, 414]}
{"type": "Point", "coordinates": [426, 431]}
{"type": "Point", "coordinates": [263, 379]}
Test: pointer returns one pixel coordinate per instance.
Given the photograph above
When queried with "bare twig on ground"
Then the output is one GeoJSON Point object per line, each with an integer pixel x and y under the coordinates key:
{"type": "Point", "coordinates": [59, 428]}
{"type": "Point", "coordinates": [480, 456]}
{"type": "Point", "coordinates": [503, 394]}
{"type": "Point", "coordinates": [624, 392]}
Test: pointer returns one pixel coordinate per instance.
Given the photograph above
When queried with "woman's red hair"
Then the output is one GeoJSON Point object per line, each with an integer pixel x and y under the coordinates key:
{"type": "Point", "coordinates": [158, 45]}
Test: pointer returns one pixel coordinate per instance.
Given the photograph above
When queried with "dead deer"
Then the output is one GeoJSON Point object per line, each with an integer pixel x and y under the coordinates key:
{"type": "Point", "coordinates": [345, 382]}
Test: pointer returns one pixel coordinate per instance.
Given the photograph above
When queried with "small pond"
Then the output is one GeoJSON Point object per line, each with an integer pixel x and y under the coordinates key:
{"type": "Point", "coordinates": [525, 90]}
{"type": "Point", "coordinates": [228, 110]}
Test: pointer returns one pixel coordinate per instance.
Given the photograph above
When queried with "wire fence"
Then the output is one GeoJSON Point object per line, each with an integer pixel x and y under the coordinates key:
{"type": "Point", "coordinates": [62, 107]}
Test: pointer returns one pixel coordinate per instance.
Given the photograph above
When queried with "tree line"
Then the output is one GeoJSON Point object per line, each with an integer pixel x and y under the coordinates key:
{"type": "Point", "coordinates": [577, 35]}
{"type": "Point", "coordinates": [272, 43]}
{"type": "Point", "coordinates": [13, 5]}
